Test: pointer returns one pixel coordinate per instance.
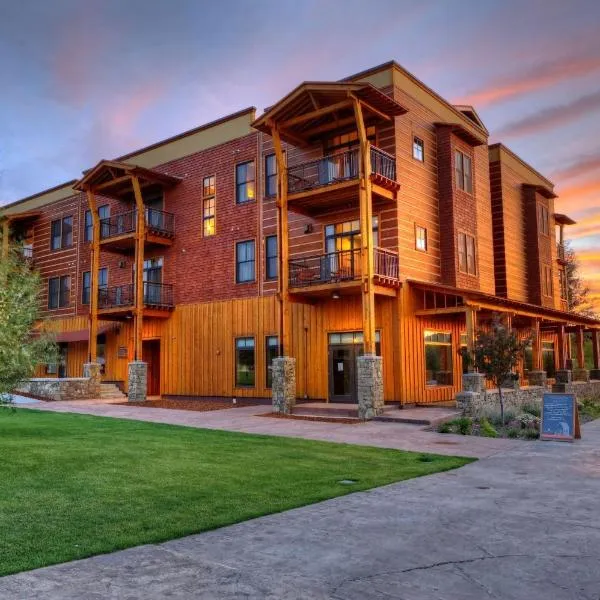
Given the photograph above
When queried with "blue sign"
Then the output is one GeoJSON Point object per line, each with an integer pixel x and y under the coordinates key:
{"type": "Point", "coordinates": [560, 420]}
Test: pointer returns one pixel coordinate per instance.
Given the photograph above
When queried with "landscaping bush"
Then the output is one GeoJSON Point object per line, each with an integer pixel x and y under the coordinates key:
{"type": "Point", "coordinates": [533, 409]}
{"type": "Point", "coordinates": [589, 408]}
{"type": "Point", "coordinates": [512, 433]}
{"type": "Point", "coordinates": [529, 421]}
{"type": "Point", "coordinates": [495, 419]}
{"type": "Point", "coordinates": [486, 429]}
{"type": "Point", "coordinates": [530, 434]}
{"type": "Point", "coordinates": [444, 428]}
{"type": "Point", "coordinates": [462, 425]}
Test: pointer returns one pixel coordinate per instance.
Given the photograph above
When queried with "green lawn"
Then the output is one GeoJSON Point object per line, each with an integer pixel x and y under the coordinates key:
{"type": "Point", "coordinates": [74, 485]}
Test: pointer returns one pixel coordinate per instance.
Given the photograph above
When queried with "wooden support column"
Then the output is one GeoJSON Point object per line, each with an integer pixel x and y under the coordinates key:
{"type": "Point", "coordinates": [580, 349]}
{"type": "Point", "coordinates": [596, 348]}
{"type": "Point", "coordinates": [94, 268]}
{"type": "Point", "coordinates": [538, 363]}
{"type": "Point", "coordinates": [471, 321]}
{"type": "Point", "coordinates": [562, 349]}
{"type": "Point", "coordinates": [140, 236]}
{"type": "Point", "coordinates": [366, 231]}
{"type": "Point", "coordinates": [285, 315]}
{"type": "Point", "coordinates": [5, 237]}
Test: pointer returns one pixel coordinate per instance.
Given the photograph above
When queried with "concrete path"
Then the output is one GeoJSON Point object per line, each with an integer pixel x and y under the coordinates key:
{"type": "Point", "coordinates": [399, 436]}
{"type": "Point", "coordinates": [521, 525]}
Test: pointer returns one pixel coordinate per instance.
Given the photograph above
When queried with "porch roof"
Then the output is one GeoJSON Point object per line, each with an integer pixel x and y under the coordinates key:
{"type": "Point", "coordinates": [113, 179]}
{"type": "Point", "coordinates": [314, 108]}
{"type": "Point", "coordinates": [488, 301]}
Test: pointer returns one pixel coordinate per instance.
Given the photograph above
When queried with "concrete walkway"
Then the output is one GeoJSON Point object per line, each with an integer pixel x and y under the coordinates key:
{"type": "Point", "coordinates": [399, 436]}
{"type": "Point", "coordinates": [520, 525]}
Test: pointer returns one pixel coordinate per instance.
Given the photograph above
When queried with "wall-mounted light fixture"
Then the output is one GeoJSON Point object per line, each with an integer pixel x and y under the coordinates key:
{"type": "Point", "coordinates": [308, 228]}
{"type": "Point", "coordinates": [335, 296]}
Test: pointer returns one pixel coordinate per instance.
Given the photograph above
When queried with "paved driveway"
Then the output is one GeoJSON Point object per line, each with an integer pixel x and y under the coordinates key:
{"type": "Point", "coordinates": [521, 524]}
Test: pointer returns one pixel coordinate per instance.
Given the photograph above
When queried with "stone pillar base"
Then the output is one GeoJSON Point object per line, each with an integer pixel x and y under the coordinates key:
{"type": "Point", "coordinates": [473, 382]}
{"type": "Point", "coordinates": [284, 385]}
{"type": "Point", "coordinates": [92, 372]}
{"type": "Point", "coordinates": [581, 375]}
{"type": "Point", "coordinates": [467, 401]}
{"type": "Point", "coordinates": [595, 374]}
{"type": "Point", "coordinates": [511, 384]}
{"type": "Point", "coordinates": [564, 376]}
{"type": "Point", "coordinates": [369, 379]}
{"type": "Point", "coordinates": [538, 378]}
{"type": "Point", "coordinates": [137, 389]}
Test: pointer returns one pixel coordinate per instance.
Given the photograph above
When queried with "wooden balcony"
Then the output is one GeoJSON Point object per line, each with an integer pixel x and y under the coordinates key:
{"type": "Point", "coordinates": [118, 302]}
{"type": "Point", "coordinates": [339, 273]}
{"type": "Point", "coordinates": [117, 232]}
{"type": "Point", "coordinates": [331, 182]}
{"type": "Point", "coordinates": [561, 253]}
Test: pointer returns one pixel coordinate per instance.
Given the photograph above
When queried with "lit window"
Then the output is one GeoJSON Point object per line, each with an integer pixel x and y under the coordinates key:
{"type": "Point", "coordinates": [208, 206]}
{"type": "Point", "coordinates": [245, 373]}
{"type": "Point", "coordinates": [244, 182]}
{"type": "Point", "coordinates": [438, 358]}
{"type": "Point", "coordinates": [463, 172]}
{"type": "Point", "coordinates": [418, 149]}
{"type": "Point", "coordinates": [421, 238]}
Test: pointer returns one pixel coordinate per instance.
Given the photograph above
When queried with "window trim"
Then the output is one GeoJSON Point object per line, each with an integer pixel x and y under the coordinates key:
{"type": "Point", "coordinates": [267, 258]}
{"type": "Point", "coordinates": [415, 139]}
{"type": "Point", "coordinates": [238, 184]}
{"type": "Point", "coordinates": [461, 182]}
{"type": "Point", "coordinates": [543, 215]}
{"type": "Point", "coordinates": [547, 282]}
{"type": "Point", "coordinates": [235, 361]}
{"type": "Point", "coordinates": [212, 197]}
{"type": "Point", "coordinates": [237, 243]}
{"type": "Point", "coordinates": [467, 236]}
{"type": "Point", "coordinates": [445, 344]}
{"type": "Point", "coordinates": [426, 249]}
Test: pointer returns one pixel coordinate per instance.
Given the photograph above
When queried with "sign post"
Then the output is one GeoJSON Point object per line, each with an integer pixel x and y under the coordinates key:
{"type": "Point", "coordinates": [560, 418]}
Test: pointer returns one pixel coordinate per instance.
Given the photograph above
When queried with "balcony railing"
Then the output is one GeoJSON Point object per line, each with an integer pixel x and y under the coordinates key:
{"type": "Point", "coordinates": [159, 295]}
{"type": "Point", "coordinates": [24, 254]}
{"type": "Point", "coordinates": [337, 168]}
{"type": "Point", "coordinates": [560, 251]}
{"type": "Point", "coordinates": [337, 267]}
{"type": "Point", "coordinates": [157, 222]}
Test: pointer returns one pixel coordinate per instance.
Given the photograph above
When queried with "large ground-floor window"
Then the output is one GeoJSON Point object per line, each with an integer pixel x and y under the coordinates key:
{"type": "Point", "coordinates": [438, 358]}
{"type": "Point", "coordinates": [548, 358]}
{"type": "Point", "coordinates": [245, 366]}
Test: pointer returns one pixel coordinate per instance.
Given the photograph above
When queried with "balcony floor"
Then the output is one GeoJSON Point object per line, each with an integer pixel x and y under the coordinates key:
{"type": "Point", "coordinates": [344, 288]}
{"type": "Point", "coordinates": [125, 313]}
{"type": "Point", "coordinates": [126, 241]}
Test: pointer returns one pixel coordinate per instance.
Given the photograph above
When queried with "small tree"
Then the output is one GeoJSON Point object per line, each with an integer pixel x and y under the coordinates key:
{"type": "Point", "coordinates": [497, 353]}
{"type": "Point", "coordinates": [578, 291]}
{"type": "Point", "coordinates": [21, 349]}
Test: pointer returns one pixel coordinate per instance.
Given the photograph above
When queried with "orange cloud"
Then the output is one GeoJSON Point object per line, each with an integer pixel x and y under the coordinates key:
{"type": "Point", "coordinates": [554, 116]}
{"type": "Point", "coordinates": [536, 78]}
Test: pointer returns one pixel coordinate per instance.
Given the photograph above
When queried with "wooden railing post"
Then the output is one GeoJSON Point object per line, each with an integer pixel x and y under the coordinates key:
{"type": "Point", "coordinates": [94, 267]}
{"type": "Point", "coordinates": [562, 353]}
{"type": "Point", "coordinates": [538, 363]}
{"type": "Point", "coordinates": [366, 230]}
{"type": "Point", "coordinates": [140, 235]}
{"type": "Point", "coordinates": [580, 349]}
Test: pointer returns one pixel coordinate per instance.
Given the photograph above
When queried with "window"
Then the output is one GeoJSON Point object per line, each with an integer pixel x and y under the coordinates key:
{"type": "Point", "coordinates": [244, 362]}
{"type": "Point", "coordinates": [355, 338]}
{"type": "Point", "coordinates": [271, 352]}
{"type": "Point", "coordinates": [438, 358]}
{"type": "Point", "coordinates": [547, 287]}
{"type": "Point", "coordinates": [208, 206]}
{"type": "Point", "coordinates": [86, 286]}
{"type": "Point", "coordinates": [543, 219]}
{"type": "Point", "coordinates": [466, 254]}
{"type": "Point", "coordinates": [463, 172]}
{"type": "Point", "coordinates": [562, 278]}
{"type": "Point", "coordinates": [244, 262]}
{"type": "Point", "coordinates": [349, 139]}
{"type": "Point", "coordinates": [244, 182]}
{"type": "Point", "coordinates": [59, 290]}
{"type": "Point", "coordinates": [61, 233]}
{"type": "Point", "coordinates": [271, 257]}
{"type": "Point", "coordinates": [346, 236]}
{"type": "Point", "coordinates": [103, 213]}
{"type": "Point", "coordinates": [548, 358]}
{"type": "Point", "coordinates": [270, 175]}
{"type": "Point", "coordinates": [421, 238]}
{"type": "Point", "coordinates": [418, 149]}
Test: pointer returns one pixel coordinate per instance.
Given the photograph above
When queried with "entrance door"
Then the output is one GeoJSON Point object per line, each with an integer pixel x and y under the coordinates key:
{"type": "Point", "coordinates": [342, 361]}
{"type": "Point", "coordinates": [151, 355]}
{"type": "Point", "coordinates": [63, 350]}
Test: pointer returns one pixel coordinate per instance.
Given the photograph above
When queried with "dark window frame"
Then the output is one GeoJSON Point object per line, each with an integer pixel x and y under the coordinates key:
{"type": "Point", "coordinates": [209, 205]}
{"type": "Point", "coordinates": [271, 260]}
{"type": "Point", "coordinates": [271, 351]}
{"type": "Point", "coordinates": [60, 297]}
{"type": "Point", "coordinates": [270, 177]}
{"type": "Point", "coordinates": [240, 185]}
{"type": "Point", "coordinates": [237, 348]}
{"type": "Point", "coordinates": [86, 289]}
{"type": "Point", "coordinates": [466, 242]}
{"type": "Point", "coordinates": [239, 263]}
{"type": "Point", "coordinates": [463, 175]}
{"type": "Point", "coordinates": [418, 148]}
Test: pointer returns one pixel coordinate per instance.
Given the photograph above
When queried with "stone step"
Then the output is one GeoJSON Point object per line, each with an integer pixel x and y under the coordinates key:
{"type": "Point", "coordinates": [329, 411]}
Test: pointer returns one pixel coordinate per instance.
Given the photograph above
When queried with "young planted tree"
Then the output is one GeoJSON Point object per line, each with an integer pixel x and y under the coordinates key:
{"type": "Point", "coordinates": [21, 349]}
{"type": "Point", "coordinates": [578, 291]}
{"type": "Point", "coordinates": [496, 354]}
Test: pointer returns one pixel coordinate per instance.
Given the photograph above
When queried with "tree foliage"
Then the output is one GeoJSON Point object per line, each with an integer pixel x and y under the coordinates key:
{"type": "Point", "coordinates": [497, 353]}
{"type": "Point", "coordinates": [22, 345]}
{"type": "Point", "coordinates": [578, 292]}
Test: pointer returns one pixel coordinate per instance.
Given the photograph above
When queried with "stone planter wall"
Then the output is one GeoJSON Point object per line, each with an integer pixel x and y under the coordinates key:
{"type": "Point", "coordinates": [72, 388]}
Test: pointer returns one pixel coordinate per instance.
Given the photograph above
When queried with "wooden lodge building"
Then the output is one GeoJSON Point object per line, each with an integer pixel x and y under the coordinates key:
{"type": "Point", "coordinates": [362, 216]}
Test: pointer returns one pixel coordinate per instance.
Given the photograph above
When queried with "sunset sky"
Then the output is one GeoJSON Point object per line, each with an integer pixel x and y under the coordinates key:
{"type": "Point", "coordinates": [89, 79]}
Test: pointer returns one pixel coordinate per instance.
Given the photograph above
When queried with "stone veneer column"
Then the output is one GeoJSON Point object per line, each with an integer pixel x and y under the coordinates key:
{"type": "Point", "coordinates": [473, 382]}
{"type": "Point", "coordinates": [369, 380]}
{"type": "Point", "coordinates": [564, 376]}
{"type": "Point", "coordinates": [92, 372]}
{"type": "Point", "coordinates": [138, 381]}
{"type": "Point", "coordinates": [284, 384]}
{"type": "Point", "coordinates": [539, 378]}
{"type": "Point", "coordinates": [595, 374]}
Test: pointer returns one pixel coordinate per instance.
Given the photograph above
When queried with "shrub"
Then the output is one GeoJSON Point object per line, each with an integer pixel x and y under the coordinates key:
{"type": "Point", "coordinates": [589, 407]}
{"type": "Point", "coordinates": [531, 434]}
{"type": "Point", "coordinates": [533, 409]}
{"type": "Point", "coordinates": [496, 420]}
{"type": "Point", "coordinates": [513, 433]}
{"type": "Point", "coordinates": [529, 421]}
{"type": "Point", "coordinates": [486, 429]}
{"type": "Point", "coordinates": [444, 428]}
{"type": "Point", "coordinates": [464, 425]}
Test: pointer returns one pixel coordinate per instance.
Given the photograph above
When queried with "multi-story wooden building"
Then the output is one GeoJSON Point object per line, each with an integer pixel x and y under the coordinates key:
{"type": "Point", "coordinates": [367, 215]}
